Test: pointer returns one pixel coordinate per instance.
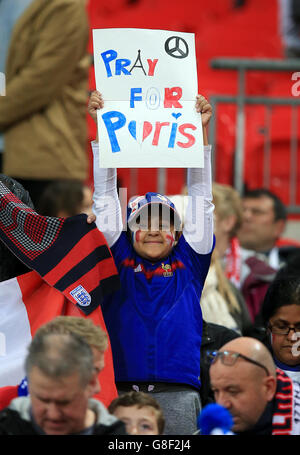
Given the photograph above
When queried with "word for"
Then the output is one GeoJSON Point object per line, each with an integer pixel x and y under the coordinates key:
{"type": "Point", "coordinates": [114, 121]}
{"type": "Point", "coordinates": [171, 99]}
{"type": "Point", "coordinates": [121, 64]}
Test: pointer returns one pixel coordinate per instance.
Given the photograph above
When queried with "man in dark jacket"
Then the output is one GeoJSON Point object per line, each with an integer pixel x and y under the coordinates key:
{"type": "Point", "coordinates": [262, 400]}
{"type": "Point", "coordinates": [214, 336]}
{"type": "Point", "coordinates": [263, 251]}
{"type": "Point", "coordinates": [61, 380]}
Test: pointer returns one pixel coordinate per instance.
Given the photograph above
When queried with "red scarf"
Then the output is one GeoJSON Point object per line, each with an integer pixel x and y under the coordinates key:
{"type": "Point", "coordinates": [233, 262]}
{"type": "Point", "coordinates": [286, 414]}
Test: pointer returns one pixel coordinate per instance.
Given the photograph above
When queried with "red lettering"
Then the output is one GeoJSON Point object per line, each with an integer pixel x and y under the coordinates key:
{"type": "Point", "coordinates": [158, 127]}
{"type": "Point", "coordinates": [170, 239]}
{"type": "Point", "coordinates": [152, 65]}
{"type": "Point", "coordinates": [190, 137]}
{"type": "Point", "coordinates": [172, 95]}
{"type": "Point", "coordinates": [147, 128]}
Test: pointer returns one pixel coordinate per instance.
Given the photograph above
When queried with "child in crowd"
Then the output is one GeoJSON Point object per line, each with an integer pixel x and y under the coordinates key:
{"type": "Point", "coordinates": [155, 321]}
{"type": "Point", "coordinates": [63, 198]}
{"type": "Point", "coordinates": [140, 412]}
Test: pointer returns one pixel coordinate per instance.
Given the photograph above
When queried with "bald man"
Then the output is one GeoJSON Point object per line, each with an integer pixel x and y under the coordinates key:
{"type": "Point", "coordinates": [261, 398]}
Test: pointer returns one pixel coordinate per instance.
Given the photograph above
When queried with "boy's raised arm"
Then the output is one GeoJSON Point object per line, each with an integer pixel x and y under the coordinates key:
{"type": "Point", "coordinates": [198, 226]}
{"type": "Point", "coordinates": [106, 204]}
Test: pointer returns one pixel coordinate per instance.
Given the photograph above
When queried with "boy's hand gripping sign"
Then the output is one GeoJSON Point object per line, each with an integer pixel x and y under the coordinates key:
{"type": "Point", "coordinates": [148, 80]}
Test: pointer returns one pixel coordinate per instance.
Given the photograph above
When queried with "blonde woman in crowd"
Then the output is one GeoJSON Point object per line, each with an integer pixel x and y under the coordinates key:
{"type": "Point", "coordinates": [221, 302]}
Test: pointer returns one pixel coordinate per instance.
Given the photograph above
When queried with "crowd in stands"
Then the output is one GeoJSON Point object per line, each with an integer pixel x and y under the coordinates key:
{"type": "Point", "coordinates": [201, 316]}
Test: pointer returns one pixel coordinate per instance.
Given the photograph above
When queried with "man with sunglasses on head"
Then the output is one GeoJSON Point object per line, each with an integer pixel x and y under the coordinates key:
{"type": "Point", "coordinates": [261, 398]}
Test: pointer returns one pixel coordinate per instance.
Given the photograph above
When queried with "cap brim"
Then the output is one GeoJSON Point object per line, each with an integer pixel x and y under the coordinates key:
{"type": "Point", "coordinates": [177, 219]}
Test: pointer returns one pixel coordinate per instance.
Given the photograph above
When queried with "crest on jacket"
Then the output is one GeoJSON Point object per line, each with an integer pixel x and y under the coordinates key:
{"type": "Point", "coordinates": [167, 269]}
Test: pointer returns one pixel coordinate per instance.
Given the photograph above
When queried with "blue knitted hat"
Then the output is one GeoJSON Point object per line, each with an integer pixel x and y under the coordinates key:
{"type": "Point", "coordinates": [141, 203]}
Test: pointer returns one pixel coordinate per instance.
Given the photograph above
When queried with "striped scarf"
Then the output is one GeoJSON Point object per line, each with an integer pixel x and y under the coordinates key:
{"type": "Point", "coordinates": [286, 411]}
{"type": "Point", "coordinates": [68, 253]}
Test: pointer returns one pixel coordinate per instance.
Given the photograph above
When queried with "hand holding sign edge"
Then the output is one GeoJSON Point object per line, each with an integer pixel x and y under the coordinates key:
{"type": "Point", "coordinates": [205, 109]}
{"type": "Point", "coordinates": [95, 102]}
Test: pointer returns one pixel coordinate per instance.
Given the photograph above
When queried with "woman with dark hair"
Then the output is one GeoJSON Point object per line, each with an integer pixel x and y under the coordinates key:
{"type": "Point", "coordinates": [280, 314]}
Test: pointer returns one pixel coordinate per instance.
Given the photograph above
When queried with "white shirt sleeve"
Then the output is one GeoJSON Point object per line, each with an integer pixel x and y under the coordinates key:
{"type": "Point", "coordinates": [106, 204]}
{"type": "Point", "coordinates": [198, 225]}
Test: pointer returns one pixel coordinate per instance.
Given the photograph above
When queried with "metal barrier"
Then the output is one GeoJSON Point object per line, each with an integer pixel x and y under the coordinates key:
{"type": "Point", "coordinates": [241, 100]}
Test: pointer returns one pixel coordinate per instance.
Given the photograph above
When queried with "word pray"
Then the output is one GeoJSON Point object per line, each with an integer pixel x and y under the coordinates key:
{"type": "Point", "coordinates": [121, 64]}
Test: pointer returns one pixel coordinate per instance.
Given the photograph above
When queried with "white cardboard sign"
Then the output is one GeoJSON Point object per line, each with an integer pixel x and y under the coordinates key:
{"type": "Point", "coordinates": [148, 80]}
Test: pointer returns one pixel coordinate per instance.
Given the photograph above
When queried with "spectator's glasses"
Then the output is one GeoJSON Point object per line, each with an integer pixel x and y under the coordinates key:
{"type": "Point", "coordinates": [283, 329]}
{"type": "Point", "coordinates": [229, 358]}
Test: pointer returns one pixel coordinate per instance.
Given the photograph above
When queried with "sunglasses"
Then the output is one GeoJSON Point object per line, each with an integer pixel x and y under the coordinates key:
{"type": "Point", "coordinates": [229, 358]}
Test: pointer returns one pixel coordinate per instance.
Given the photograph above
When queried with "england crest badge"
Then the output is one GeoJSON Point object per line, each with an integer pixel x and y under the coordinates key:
{"type": "Point", "coordinates": [81, 296]}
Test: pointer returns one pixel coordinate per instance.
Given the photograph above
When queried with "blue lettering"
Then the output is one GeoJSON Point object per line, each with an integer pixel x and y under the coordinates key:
{"type": "Point", "coordinates": [134, 98]}
{"type": "Point", "coordinates": [132, 128]}
{"type": "Point", "coordinates": [107, 57]}
{"type": "Point", "coordinates": [111, 127]}
{"type": "Point", "coordinates": [120, 66]}
{"type": "Point", "coordinates": [173, 135]}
